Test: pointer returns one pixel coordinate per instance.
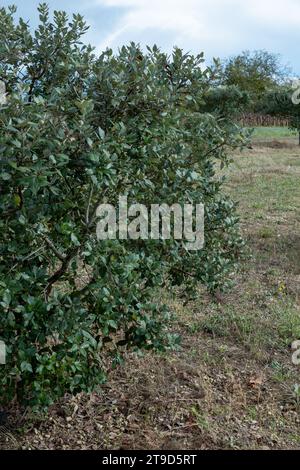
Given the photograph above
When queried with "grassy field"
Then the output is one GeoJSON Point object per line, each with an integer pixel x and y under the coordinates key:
{"type": "Point", "coordinates": [273, 133]}
{"type": "Point", "coordinates": [232, 385]}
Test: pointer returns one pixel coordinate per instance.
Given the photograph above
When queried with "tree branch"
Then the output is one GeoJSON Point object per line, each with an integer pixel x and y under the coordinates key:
{"type": "Point", "coordinates": [60, 272]}
{"type": "Point", "coordinates": [51, 245]}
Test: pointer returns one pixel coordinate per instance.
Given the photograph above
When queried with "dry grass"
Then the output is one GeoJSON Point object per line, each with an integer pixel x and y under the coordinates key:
{"type": "Point", "coordinates": [232, 385]}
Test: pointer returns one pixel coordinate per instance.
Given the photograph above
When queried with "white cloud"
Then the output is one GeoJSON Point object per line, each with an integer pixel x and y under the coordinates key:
{"type": "Point", "coordinates": [218, 27]}
{"type": "Point", "coordinates": [275, 12]}
{"type": "Point", "coordinates": [188, 19]}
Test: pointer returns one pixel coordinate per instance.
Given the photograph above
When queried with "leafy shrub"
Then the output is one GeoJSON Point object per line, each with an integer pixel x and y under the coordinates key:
{"type": "Point", "coordinates": [79, 130]}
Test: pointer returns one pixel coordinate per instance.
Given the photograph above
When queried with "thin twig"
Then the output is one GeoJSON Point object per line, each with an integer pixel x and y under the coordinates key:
{"type": "Point", "coordinates": [51, 245]}
{"type": "Point", "coordinates": [27, 257]}
{"type": "Point", "coordinates": [87, 215]}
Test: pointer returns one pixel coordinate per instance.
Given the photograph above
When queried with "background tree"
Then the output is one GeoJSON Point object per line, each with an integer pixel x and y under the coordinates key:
{"type": "Point", "coordinates": [254, 72]}
{"type": "Point", "coordinates": [226, 102]}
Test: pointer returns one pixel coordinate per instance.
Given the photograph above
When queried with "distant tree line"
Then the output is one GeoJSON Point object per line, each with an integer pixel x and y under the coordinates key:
{"type": "Point", "coordinates": [272, 94]}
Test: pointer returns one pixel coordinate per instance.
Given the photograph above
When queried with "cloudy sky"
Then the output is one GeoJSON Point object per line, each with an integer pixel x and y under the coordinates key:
{"type": "Point", "coordinates": [218, 27]}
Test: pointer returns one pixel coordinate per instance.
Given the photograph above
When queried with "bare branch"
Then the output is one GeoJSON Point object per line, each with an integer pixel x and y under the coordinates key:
{"type": "Point", "coordinates": [60, 272]}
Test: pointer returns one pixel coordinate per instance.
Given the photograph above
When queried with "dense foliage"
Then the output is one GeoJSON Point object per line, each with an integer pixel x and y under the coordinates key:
{"type": "Point", "coordinates": [78, 130]}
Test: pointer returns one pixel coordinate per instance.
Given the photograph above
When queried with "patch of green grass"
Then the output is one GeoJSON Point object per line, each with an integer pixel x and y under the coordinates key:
{"type": "Point", "coordinates": [287, 322]}
{"type": "Point", "coordinates": [273, 132]}
{"type": "Point", "coordinates": [201, 419]}
{"type": "Point", "coordinates": [232, 323]}
{"type": "Point", "coordinates": [280, 372]}
{"type": "Point", "coordinates": [266, 232]}
{"type": "Point", "coordinates": [276, 326]}
{"type": "Point", "coordinates": [269, 193]}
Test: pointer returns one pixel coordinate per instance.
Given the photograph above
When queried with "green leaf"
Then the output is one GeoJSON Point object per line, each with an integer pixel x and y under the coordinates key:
{"type": "Point", "coordinates": [75, 240]}
{"type": "Point", "coordinates": [26, 367]}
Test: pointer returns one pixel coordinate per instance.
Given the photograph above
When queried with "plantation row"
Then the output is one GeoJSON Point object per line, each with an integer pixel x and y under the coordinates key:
{"type": "Point", "coordinates": [262, 120]}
